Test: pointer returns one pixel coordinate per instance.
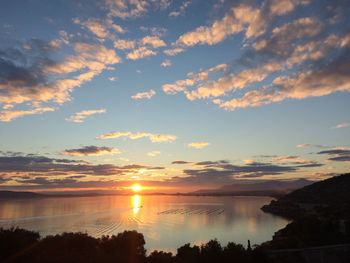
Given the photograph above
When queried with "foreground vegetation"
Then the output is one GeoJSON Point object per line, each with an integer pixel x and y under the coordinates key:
{"type": "Point", "coordinates": [19, 245]}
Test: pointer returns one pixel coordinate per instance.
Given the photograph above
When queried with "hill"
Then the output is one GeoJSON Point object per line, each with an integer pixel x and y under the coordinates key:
{"type": "Point", "coordinates": [324, 198]}
{"type": "Point", "coordinates": [13, 194]}
{"type": "Point", "coordinates": [269, 188]}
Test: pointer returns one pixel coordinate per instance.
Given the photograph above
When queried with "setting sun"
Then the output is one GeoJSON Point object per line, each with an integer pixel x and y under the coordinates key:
{"type": "Point", "coordinates": [136, 187]}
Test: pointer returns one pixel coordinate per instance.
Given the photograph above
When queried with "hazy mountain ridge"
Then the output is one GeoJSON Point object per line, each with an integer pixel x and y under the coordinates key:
{"type": "Point", "coordinates": [274, 186]}
{"type": "Point", "coordinates": [15, 194]}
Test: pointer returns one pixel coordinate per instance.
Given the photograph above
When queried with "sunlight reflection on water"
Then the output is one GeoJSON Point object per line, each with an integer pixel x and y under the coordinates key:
{"type": "Point", "coordinates": [167, 222]}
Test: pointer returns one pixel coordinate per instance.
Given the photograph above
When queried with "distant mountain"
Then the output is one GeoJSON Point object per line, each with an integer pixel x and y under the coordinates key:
{"type": "Point", "coordinates": [331, 196]}
{"type": "Point", "coordinates": [12, 194]}
{"type": "Point", "coordinates": [274, 187]}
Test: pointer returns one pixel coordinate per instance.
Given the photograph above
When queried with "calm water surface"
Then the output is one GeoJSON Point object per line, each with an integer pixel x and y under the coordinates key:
{"type": "Point", "coordinates": [167, 222]}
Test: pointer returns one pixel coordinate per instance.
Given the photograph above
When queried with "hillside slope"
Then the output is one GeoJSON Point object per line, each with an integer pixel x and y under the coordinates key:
{"type": "Point", "coordinates": [331, 196]}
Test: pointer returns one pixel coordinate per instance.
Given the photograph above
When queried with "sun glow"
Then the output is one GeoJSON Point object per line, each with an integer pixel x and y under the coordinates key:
{"type": "Point", "coordinates": [136, 188]}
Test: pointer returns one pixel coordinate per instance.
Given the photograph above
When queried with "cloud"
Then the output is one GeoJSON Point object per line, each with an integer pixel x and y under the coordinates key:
{"type": "Point", "coordinates": [331, 78]}
{"type": "Point", "coordinates": [144, 95]}
{"type": "Point", "coordinates": [124, 44]}
{"type": "Point", "coordinates": [29, 75]}
{"type": "Point", "coordinates": [92, 151]}
{"type": "Point", "coordinates": [153, 153]}
{"type": "Point", "coordinates": [281, 38]}
{"type": "Point", "coordinates": [223, 172]}
{"type": "Point", "coordinates": [154, 30]}
{"type": "Point", "coordinates": [133, 8]}
{"type": "Point", "coordinates": [113, 78]}
{"type": "Point", "coordinates": [100, 28]}
{"type": "Point", "coordinates": [297, 59]}
{"type": "Point", "coordinates": [304, 145]}
{"type": "Point", "coordinates": [181, 9]}
{"type": "Point", "coordinates": [80, 116]}
{"type": "Point", "coordinates": [34, 165]}
{"type": "Point", "coordinates": [232, 23]}
{"type": "Point", "coordinates": [296, 160]}
{"type": "Point", "coordinates": [9, 115]}
{"type": "Point", "coordinates": [173, 51]}
{"type": "Point", "coordinates": [233, 82]}
{"type": "Point", "coordinates": [337, 154]}
{"type": "Point", "coordinates": [126, 9]}
{"type": "Point", "coordinates": [279, 42]}
{"type": "Point", "coordinates": [193, 79]}
{"type": "Point", "coordinates": [39, 172]}
{"type": "Point", "coordinates": [342, 125]}
{"type": "Point", "coordinates": [141, 52]}
{"type": "Point", "coordinates": [174, 13]}
{"type": "Point", "coordinates": [166, 63]}
{"type": "Point", "coordinates": [308, 145]}
{"type": "Point", "coordinates": [180, 162]}
{"type": "Point", "coordinates": [153, 137]}
{"type": "Point", "coordinates": [243, 17]}
{"type": "Point", "coordinates": [153, 41]}
{"type": "Point", "coordinates": [198, 145]}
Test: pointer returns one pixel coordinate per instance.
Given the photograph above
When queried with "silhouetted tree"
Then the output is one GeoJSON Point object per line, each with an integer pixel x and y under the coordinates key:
{"type": "Point", "coordinates": [15, 240]}
{"type": "Point", "coordinates": [234, 252]}
{"type": "Point", "coordinates": [211, 251]}
{"type": "Point", "coordinates": [160, 257]}
{"type": "Point", "coordinates": [186, 253]}
{"type": "Point", "coordinates": [127, 246]}
{"type": "Point", "coordinates": [67, 247]}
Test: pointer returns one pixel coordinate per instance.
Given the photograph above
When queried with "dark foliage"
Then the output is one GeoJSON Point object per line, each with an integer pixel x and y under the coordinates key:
{"type": "Point", "coordinates": [18, 245]}
{"type": "Point", "coordinates": [14, 240]}
{"type": "Point", "coordinates": [311, 232]}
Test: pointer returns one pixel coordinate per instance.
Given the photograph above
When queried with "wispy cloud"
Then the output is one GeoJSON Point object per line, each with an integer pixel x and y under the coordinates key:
{"type": "Point", "coordinates": [342, 125]}
{"type": "Point", "coordinates": [308, 145]}
{"type": "Point", "coordinates": [337, 154]}
{"type": "Point", "coordinates": [101, 29]}
{"type": "Point", "coordinates": [173, 51]}
{"type": "Point", "coordinates": [124, 44]}
{"type": "Point", "coordinates": [9, 115]}
{"type": "Point", "coordinates": [125, 9]}
{"type": "Point", "coordinates": [43, 80]}
{"type": "Point", "coordinates": [91, 151]}
{"type": "Point", "coordinates": [113, 78]}
{"type": "Point", "coordinates": [193, 79]}
{"type": "Point", "coordinates": [181, 9]}
{"type": "Point", "coordinates": [253, 21]}
{"type": "Point", "coordinates": [80, 116]}
{"type": "Point", "coordinates": [180, 162]}
{"type": "Point", "coordinates": [141, 52]}
{"type": "Point", "coordinates": [153, 153]}
{"type": "Point", "coordinates": [144, 95]}
{"type": "Point", "coordinates": [166, 63]}
{"type": "Point", "coordinates": [198, 145]}
{"type": "Point", "coordinates": [153, 137]}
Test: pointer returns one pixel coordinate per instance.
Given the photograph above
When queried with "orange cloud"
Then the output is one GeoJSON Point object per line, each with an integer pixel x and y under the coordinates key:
{"type": "Point", "coordinates": [141, 52]}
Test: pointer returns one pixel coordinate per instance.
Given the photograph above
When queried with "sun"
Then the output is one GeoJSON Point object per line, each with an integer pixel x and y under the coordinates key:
{"type": "Point", "coordinates": [136, 188]}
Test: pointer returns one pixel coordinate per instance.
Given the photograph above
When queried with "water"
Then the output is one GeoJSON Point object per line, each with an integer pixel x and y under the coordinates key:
{"type": "Point", "coordinates": [167, 222]}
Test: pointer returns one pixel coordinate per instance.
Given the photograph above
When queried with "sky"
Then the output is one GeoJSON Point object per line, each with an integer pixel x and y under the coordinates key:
{"type": "Point", "coordinates": [174, 95]}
